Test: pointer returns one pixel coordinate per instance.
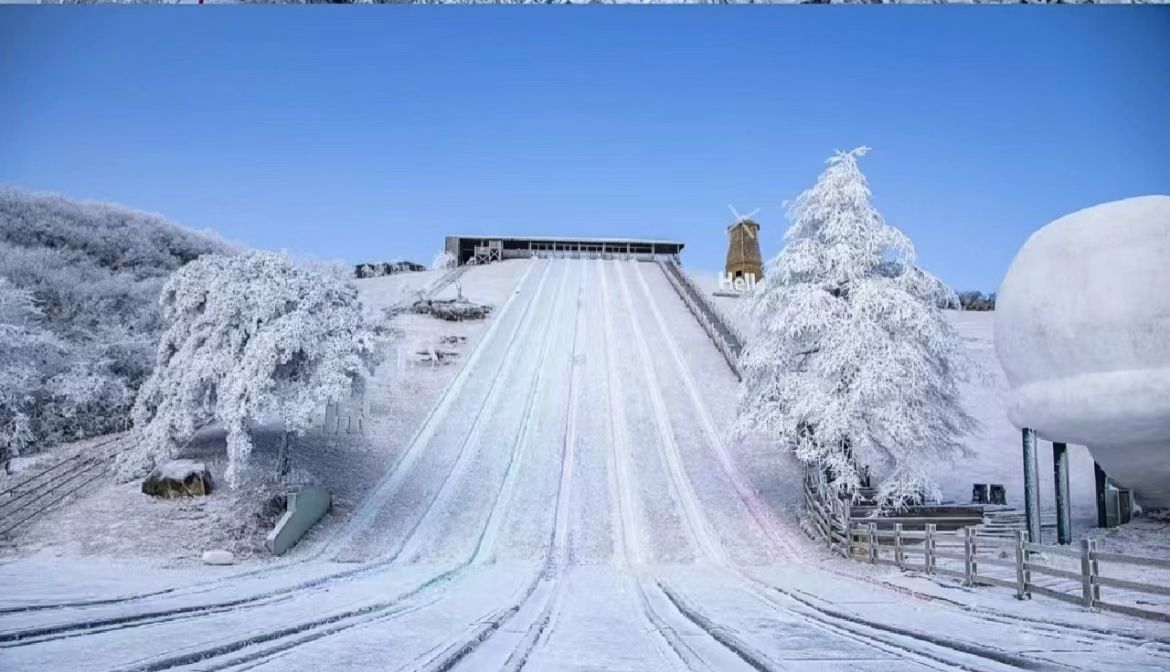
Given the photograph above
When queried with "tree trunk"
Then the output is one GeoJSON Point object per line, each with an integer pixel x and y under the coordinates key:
{"type": "Point", "coordinates": [282, 459]}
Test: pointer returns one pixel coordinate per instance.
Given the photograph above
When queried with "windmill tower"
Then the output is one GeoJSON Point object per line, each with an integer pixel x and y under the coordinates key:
{"type": "Point", "coordinates": [743, 247]}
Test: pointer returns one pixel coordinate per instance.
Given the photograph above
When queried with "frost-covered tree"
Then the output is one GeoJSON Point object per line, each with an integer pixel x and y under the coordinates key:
{"type": "Point", "coordinates": [443, 260]}
{"type": "Point", "coordinates": [249, 339]}
{"type": "Point", "coordinates": [853, 364]}
{"type": "Point", "coordinates": [29, 356]}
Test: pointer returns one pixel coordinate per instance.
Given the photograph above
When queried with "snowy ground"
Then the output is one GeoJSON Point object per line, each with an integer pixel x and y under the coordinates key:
{"type": "Point", "coordinates": [572, 502]}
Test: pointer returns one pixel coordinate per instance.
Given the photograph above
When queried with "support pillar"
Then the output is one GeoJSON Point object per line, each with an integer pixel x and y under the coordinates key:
{"type": "Point", "coordinates": [1060, 478]}
{"type": "Point", "coordinates": [1102, 483]}
{"type": "Point", "coordinates": [1031, 485]}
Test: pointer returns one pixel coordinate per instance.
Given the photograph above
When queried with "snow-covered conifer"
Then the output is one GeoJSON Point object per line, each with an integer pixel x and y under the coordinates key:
{"type": "Point", "coordinates": [853, 362]}
{"type": "Point", "coordinates": [247, 339]}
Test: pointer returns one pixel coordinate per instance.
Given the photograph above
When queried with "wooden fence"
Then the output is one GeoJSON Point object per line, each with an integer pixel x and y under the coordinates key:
{"type": "Point", "coordinates": [978, 560]}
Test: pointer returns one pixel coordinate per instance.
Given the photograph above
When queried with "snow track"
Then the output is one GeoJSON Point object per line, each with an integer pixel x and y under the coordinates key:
{"type": "Point", "coordinates": [571, 502]}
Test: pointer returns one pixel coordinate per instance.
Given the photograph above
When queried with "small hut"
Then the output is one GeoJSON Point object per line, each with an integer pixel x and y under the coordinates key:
{"type": "Point", "coordinates": [743, 249]}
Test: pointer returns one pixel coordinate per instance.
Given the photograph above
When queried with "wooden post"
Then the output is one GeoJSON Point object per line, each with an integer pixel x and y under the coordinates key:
{"type": "Point", "coordinates": [898, 558]}
{"type": "Point", "coordinates": [1102, 483]}
{"type": "Point", "coordinates": [873, 551]}
{"type": "Point", "coordinates": [929, 543]}
{"type": "Point", "coordinates": [1021, 572]}
{"type": "Point", "coordinates": [968, 556]}
{"type": "Point", "coordinates": [847, 526]}
{"type": "Point", "coordinates": [1090, 592]}
{"type": "Point", "coordinates": [1060, 478]}
{"type": "Point", "coordinates": [1031, 485]}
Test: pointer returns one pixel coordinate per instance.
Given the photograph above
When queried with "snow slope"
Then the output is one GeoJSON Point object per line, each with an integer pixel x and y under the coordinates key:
{"type": "Point", "coordinates": [572, 501]}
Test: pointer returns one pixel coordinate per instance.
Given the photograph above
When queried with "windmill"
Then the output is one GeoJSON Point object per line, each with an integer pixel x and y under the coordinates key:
{"type": "Point", "coordinates": [743, 246]}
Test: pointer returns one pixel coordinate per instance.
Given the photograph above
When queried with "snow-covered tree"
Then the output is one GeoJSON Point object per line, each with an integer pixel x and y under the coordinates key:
{"type": "Point", "coordinates": [443, 260]}
{"type": "Point", "coordinates": [853, 364]}
{"type": "Point", "coordinates": [248, 339]}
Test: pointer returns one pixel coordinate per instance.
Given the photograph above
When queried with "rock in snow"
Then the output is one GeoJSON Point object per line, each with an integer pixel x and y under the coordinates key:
{"type": "Point", "coordinates": [1082, 328]}
{"type": "Point", "coordinates": [218, 557]}
{"type": "Point", "coordinates": [178, 478]}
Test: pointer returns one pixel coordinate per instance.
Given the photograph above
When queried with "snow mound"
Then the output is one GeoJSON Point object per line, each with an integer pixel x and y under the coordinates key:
{"type": "Point", "coordinates": [1081, 330]}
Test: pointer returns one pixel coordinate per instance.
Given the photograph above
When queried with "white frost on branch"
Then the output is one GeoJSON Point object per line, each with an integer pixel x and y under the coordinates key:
{"type": "Point", "coordinates": [443, 261]}
{"type": "Point", "coordinates": [249, 338]}
{"type": "Point", "coordinates": [853, 362]}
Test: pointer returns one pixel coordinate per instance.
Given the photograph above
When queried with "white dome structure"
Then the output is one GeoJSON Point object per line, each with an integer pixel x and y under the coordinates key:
{"type": "Point", "coordinates": [1082, 329]}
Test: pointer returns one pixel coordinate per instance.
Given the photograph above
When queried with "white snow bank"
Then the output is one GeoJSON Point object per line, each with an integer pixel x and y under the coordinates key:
{"type": "Point", "coordinates": [1082, 326]}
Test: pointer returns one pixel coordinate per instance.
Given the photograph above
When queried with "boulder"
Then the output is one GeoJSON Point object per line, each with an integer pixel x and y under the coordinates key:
{"type": "Point", "coordinates": [218, 557]}
{"type": "Point", "coordinates": [452, 310]}
{"type": "Point", "coordinates": [178, 478]}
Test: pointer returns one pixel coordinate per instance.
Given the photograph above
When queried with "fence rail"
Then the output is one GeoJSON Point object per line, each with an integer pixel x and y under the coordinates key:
{"type": "Point", "coordinates": [978, 560]}
{"type": "Point", "coordinates": [26, 499]}
{"type": "Point", "coordinates": [721, 330]}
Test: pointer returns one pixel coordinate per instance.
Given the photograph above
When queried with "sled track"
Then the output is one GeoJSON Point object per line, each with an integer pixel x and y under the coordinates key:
{"type": "Point", "coordinates": [398, 475]}
{"type": "Point", "coordinates": [622, 491]}
{"type": "Point", "coordinates": [448, 656]}
{"type": "Point", "coordinates": [410, 546]}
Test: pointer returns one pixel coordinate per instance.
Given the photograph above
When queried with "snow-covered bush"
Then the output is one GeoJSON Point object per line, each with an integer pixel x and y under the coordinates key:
{"type": "Point", "coordinates": [91, 275]}
{"type": "Point", "coordinates": [853, 362]}
{"type": "Point", "coordinates": [247, 339]}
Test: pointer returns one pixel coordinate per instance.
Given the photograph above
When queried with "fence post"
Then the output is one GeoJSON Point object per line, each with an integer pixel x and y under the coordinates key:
{"type": "Point", "coordinates": [848, 526]}
{"type": "Point", "coordinates": [929, 543]}
{"type": "Point", "coordinates": [968, 556]}
{"type": "Point", "coordinates": [1021, 575]}
{"type": "Point", "coordinates": [898, 545]}
{"type": "Point", "coordinates": [1090, 592]}
{"type": "Point", "coordinates": [873, 551]}
{"type": "Point", "coordinates": [827, 512]}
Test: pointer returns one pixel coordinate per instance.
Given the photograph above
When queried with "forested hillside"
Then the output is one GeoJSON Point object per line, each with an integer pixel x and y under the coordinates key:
{"type": "Point", "coordinates": [79, 312]}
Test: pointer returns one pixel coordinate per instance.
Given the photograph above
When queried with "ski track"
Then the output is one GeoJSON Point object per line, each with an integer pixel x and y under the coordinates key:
{"type": "Point", "coordinates": [494, 550]}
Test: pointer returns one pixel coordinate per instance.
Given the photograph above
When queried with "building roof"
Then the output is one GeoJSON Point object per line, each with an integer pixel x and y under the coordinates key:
{"type": "Point", "coordinates": [571, 239]}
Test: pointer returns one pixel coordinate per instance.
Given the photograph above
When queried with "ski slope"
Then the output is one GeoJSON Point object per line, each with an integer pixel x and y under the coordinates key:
{"type": "Point", "coordinates": [572, 502]}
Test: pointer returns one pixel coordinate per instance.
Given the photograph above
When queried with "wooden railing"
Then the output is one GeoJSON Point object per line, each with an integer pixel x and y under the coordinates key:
{"type": "Point", "coordinates": [976, 560]}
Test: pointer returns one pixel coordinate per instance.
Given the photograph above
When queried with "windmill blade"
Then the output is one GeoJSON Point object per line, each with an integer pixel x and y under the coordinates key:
{"type": "Point", "coordinates": [734, 213]}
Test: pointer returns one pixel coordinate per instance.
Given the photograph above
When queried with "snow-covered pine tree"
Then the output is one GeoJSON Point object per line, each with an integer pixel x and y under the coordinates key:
{"type": "Point", "coordinates": [853, 362]}
{"type": "Point", "coordinates": [247, 339]}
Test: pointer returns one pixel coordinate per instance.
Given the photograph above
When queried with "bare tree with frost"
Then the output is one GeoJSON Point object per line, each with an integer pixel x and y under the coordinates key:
{"type": "Point", "coordinates": [854, 362]}
{"type": "Point", "coordinates": [249, 339]}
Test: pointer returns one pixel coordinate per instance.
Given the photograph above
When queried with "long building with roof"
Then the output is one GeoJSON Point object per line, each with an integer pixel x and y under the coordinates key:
{"type": "Point", "coordinates": [483, 249]}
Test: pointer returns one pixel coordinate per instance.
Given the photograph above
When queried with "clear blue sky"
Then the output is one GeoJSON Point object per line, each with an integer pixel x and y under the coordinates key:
{"type": "Point", "coordinates": [367, 133]}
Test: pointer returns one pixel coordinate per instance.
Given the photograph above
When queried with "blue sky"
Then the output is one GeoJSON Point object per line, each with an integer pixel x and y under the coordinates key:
{"type": "Point", "coordinates": [367, 133]}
